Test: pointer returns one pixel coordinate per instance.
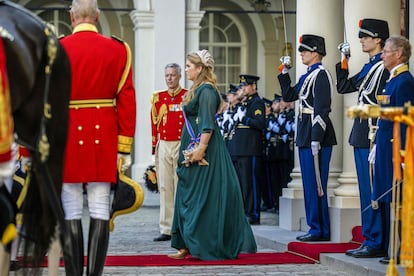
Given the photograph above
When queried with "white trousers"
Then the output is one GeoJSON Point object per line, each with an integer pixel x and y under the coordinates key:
{"type": "Point", "coordinates": [98, 194]}
{"type": "Point", "coordinates": [166, 163]}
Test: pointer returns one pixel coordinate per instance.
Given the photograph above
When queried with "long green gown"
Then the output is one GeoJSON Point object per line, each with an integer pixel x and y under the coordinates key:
{"type": "Point", "coordinates": [209, 216]}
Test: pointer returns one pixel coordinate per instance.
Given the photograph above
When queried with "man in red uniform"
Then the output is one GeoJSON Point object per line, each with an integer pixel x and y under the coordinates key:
{"type": "Point", "coordinates": [101, 129]}
{"type": "Point", "coordinates": [167, 122]}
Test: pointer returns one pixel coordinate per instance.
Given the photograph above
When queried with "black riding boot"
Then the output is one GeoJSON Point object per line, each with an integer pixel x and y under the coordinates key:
{"type": "Point", "coordinates": [97, 246]}
{"type": "Point", "coordinates": [73, 251]}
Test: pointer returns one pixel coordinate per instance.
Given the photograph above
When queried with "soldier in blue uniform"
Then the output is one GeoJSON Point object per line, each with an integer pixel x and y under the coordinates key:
{"type": "Point", "coordinates": [399, 90]}
{"type": "Point", "coordinates": [315, 132]}
{"type": "Point", "coordinates": [246, 145]}
{"type": "Point", "coordinates": [369, 83]}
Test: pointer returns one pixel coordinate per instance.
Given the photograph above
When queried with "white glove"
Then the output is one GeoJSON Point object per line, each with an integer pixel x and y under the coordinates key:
{"type": "Point", "coordinates": [345, 49]}
{"type": "Point", "coordinates": [126, 161]}
{"type": "Point", "coordinates": [315, 146]}
{"type": "Point", "coordinates": [7, 169]}
{"type": "Point", "coordinates": [25, 163]}
{"type": "Point", "coordinates": [285, 64]}
{"type": "Point", "coordinates": [371, 156]}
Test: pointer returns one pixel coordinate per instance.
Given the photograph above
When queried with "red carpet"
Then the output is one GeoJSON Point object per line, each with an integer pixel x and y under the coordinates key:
{"type": "Point", "coordinates": [298, 253]}
{"type": "Point", "coordinates": [243, 259]}
{"type": "Point", "coordinates": [312, 249]}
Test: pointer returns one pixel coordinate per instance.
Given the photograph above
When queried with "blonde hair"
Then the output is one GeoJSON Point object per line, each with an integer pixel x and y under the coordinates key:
{"type": "Point", "coordinates": [206, 75]}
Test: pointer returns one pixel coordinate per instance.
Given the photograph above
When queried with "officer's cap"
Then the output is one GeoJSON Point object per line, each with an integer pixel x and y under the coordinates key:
{"type": "Point", "coordinates": [312, 43]}
{"type": "Point", "coordinates": [277, 98]}
{"type": "Point", "coordinates": [233, 89]}
{"type": "Point", "coordinates": [248, 79]}
{"type": "Point", "coordinates": [267, 101]}
{"type": "Point", "coordinates": [373, 28]}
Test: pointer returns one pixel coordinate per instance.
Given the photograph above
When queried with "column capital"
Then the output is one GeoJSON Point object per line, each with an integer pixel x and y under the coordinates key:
{"type": "Point", "coordinates": [193, 19]}
{"type": "Point", "coordinates": [142, 19]}
{"type": "Point", "coordinates": [271, 47]}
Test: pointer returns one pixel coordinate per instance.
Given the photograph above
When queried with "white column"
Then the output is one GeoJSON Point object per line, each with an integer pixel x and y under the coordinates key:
{"type": "Point", "coordinates": [193, 18]}
{"type": "Point", "coordinates": [169, 33]}
{"type": "Point", "coordinates": [328, 23]}
{"type": "Point", "coordinates": [143, 19]}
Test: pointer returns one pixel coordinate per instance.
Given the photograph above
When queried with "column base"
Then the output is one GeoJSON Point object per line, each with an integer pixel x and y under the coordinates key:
{"type": "Point", "coordinates": [291, 209]}
{"type": "Point", "coordinates": [344, 216]}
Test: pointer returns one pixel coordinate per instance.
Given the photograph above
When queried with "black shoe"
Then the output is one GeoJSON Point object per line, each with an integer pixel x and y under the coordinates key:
{"type": "Point", "coordinates": [254, 221]}
{"type": "Point", "coordinates": [162, 237]}
{"type": "Point", "coordinates": [368, 252]}
{"type": "Point", "coordinates": [386, 260]}
{"type": "Point", "coordinates": [350, 251]}
{"type": "Point", "coordinates": [14, 266]}
{"type": "Point", "coordinates": [311, 238]}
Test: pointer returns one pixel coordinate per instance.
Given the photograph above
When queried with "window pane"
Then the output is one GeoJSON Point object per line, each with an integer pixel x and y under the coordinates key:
{"type": "Point", "coordinates": [234, 55]}
{"type": "Point", "coordinates": [233, 34]}
{"type": "Point", "coordinates": [221, 77]}
{"type": "Point", "coordinates": [204, 35]}
{"type": "Point", "coordinates": [219, 54]}
{"type": "Point", "coordinates": [233, 74]}
{"type": "Point", "coordinates": [219, 36]}
{"type": "Point", "coordinates": [221, 21]}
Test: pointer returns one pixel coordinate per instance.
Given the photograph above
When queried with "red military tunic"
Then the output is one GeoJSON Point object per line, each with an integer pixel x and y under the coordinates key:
{"type": "Point", "coordinates": [167, 119]}
{"type": "Point", "coordinates": [102, 107]}
{"type": "Point", "coordinates": [6, 119]}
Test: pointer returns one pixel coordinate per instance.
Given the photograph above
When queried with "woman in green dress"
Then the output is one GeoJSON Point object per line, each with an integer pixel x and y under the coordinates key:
{"type": "Point", "coordinates": [209, 221]}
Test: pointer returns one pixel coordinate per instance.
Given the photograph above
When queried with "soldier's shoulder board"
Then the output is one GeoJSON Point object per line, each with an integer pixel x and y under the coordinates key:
{"type": "Point", "coordinates": [117, 38]}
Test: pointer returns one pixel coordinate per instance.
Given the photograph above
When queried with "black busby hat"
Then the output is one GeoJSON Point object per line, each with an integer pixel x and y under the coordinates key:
{"type": "Point", "coordinates": [267, 101]}
{"type": "Point", "coordinates": [233, 89]}
{"type": "Point", "coordinates": [248, 79]}
{"type": "Point", "coordinates": [312, 43]}
{"type": "Point", "coordinates": [373, 28]}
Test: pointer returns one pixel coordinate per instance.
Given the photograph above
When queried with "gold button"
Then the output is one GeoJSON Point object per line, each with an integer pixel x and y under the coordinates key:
{"type": "Point", "coordinates": [96, 142]}
{"type": "Point", "coordinates": [97, 126]}
{"type": "Point", "coordinates": [98, 106]}
{"type": "Point", "coordinates": [81, 142]}
{"type": "Point", "coordinates": [79, 128]}
{"type": "Point", "coordinates": [163, 131]}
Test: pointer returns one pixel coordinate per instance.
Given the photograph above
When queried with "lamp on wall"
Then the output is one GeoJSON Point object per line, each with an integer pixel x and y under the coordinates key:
{"type": "Point", "coordinates": [260, 5]}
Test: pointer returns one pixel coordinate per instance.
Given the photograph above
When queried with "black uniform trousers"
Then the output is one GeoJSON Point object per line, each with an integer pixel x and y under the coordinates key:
{"type": "Point", "coordinates": [246, 168]}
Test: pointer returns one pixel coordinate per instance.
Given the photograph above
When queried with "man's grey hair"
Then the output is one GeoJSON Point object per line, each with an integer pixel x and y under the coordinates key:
{"type": "Point", "coordinates": [85, 8]}
{"type": "Point", "coordinates": [400, 42]}
{"type": "Point", "coordinates": [175, 66]}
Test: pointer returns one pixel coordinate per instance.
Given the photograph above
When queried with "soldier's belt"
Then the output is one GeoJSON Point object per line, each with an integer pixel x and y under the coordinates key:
{"type": "Point", "coordinates": [91, 103]}
{"type": "Point", "coordinates": [306, 110]}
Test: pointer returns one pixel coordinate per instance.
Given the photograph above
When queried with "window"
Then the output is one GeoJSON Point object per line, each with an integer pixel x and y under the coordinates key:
{"type": "Point", "coordinates": [220, 35]}
{"type": "Point", "coordinates": [60, 19]}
